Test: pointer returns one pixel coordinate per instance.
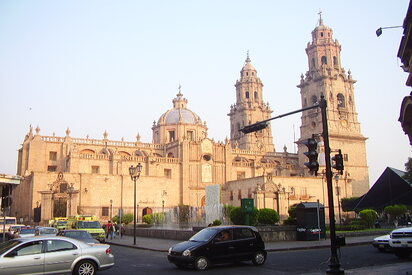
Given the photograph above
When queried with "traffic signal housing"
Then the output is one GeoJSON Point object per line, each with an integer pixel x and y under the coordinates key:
{"type": "Point", "coordinates": [254, 127]}
{"type": "Point", "coordinates": [312, 155]}
{"type": "Point", "coordinates": [338, 162]}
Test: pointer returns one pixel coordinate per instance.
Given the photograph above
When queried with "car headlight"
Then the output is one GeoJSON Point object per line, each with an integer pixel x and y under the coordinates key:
{"type": "Point", "coordinates": [187, 253]}
{"type": "Point", "coordinates": [170, 250]}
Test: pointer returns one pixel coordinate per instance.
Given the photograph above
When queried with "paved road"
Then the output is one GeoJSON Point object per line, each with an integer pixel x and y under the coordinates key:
{"type": "Point", "coordinates": [136, 261]}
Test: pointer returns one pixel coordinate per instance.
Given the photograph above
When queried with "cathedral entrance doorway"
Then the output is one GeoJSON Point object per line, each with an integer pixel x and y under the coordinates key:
{"type": "Point", "coordinates": [147, 211]}
{"type": "Point", "coordinates": [60, 207]}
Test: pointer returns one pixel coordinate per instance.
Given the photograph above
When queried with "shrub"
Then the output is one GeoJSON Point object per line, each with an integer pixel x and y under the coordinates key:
{"type": "Point", "coordinates": [237, 216]}
{"type": "Point", "coordinates": [159, 218]}
{"type": "Point", "coordinates": [148, 219]}
{"type": "Point", "coordinates": [216, 222]}
{"type": "Point", "coordinates": [347, 203]}
{"type": "Point", "coordinates": [369, 216]}
{"type": "Point", "coordinates": [290, 221]}
{"type": "Point", "coordinates": [267, 216]}
{"type": "Point", "coordinates": [184, 213]}
{"type": "Point", "coordinates": [396, 210]}
{"type": "Point", "coordinates": [126, 218]}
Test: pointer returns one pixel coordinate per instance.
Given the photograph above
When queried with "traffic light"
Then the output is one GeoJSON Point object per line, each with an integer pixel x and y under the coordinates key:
{"type": "Point", "coordinates": [338, 162]}
{"type": "Point", "coordinates": [254, 127]}
{"type": "Point", "coordinates": [312, 155]}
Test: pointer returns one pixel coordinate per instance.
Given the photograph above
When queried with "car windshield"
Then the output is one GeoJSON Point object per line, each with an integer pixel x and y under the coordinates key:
{"type": "Point", "coordinates": [94, 224]}
{"type": "Point", "coordinates": [27, 231]}
{"type": "Point", "coordinates": [203, 235]}
{"type": "Point", "coordinates": [7, 245]}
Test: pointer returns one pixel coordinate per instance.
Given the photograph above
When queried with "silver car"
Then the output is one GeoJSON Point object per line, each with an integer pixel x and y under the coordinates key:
{"type": "Point", "coordinates": [49, 255]}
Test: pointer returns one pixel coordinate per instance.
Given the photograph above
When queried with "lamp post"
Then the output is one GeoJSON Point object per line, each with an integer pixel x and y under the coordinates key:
{"type": "Point", "coordinates": [111, 208]}
{"type": "Point", "coordinates": [70, 191]}
{"type": "Point", "coordinates": [338, 195]}
{"type": "Point", "coordinates": [134, 172]}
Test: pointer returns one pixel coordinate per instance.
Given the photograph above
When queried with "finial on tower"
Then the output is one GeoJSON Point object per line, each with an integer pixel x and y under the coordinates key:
{"type": "Point", "coordinates": [247, 57]}
{"type": "Point", "coordinates": [180, 90]}
{"type": "Point", "coordinates": [320, 18]}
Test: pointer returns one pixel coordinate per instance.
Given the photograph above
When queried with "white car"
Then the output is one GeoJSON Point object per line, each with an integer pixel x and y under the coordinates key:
{"type": "Point", "coordinates": [382, 243]}
{"type": "Point", "coordinates": [401, 242]}
{"type": "Point", "coordinates": [53, 255]}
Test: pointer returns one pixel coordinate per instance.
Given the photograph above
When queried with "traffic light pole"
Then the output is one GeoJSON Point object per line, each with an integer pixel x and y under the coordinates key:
{"type": "Point", "coordinates": [334, 265]}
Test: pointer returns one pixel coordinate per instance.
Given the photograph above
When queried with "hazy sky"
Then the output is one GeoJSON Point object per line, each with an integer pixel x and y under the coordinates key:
{"type": "Point", "coordinates": [116, 65]}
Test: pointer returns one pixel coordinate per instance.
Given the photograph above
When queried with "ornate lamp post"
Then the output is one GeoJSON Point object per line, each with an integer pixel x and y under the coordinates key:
{"type": "Point", "coordinates": [134, 172]}
{"type": "Point", "coordinates": [338, 195]}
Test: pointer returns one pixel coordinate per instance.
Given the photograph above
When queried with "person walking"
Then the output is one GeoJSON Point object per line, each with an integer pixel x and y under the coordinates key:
{"type": "Point", "coordinates": [109, 230]}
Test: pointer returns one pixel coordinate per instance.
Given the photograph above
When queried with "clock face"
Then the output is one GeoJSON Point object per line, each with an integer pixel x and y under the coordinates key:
{"type": "Point", "coordinates": [344, 123]}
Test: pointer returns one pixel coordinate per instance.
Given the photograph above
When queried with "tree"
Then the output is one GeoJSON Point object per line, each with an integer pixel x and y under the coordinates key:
{"type": "Point", "coordinates": [126, 218]}
{"type": "Point", "coordinates": [408, 169]}
{"type": "Point", "coordinates": [396, 210]}
{"type": "Point", "coordinates": [347, 203]}
{"type": "Point", "coordinates": [369, 216]}
{"type": "Point", "coordinates": [237, 216]}
{"type": "Point", "coordinates": [267, 216]}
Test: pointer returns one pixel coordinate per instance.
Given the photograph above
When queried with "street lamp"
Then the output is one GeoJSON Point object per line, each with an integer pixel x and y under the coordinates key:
{"type": "Point", "coordinates": [111, 208]}
{"type": "Point", "coordinates": [70, 191]}
{"type": "Point", "coordinates": [338, 195]}
{"type": "Point", "coordinates": [134, 172]}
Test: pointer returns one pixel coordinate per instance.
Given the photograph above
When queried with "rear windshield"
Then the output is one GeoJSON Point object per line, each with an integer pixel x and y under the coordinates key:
{"type": "Point", "coordinates": [77, 234]}
{"type": "Point", "coordinates": [203, 235]}
{"type": "Point", "coordinates": [27, 231]}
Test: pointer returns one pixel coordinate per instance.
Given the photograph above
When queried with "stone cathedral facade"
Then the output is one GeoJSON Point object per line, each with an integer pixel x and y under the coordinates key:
{"type": "Point", "coordinates": [65, 175]}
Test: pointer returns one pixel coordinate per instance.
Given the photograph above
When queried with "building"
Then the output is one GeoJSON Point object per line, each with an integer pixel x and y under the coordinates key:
{"type": "Point", "coordinates": [65, 176]}
{"type": "Point", "coordinates": [404, 53]}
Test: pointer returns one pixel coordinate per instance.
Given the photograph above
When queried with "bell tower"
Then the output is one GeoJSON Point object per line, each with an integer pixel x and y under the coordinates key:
{"type": "Point", "coordinates": [327, 77]}
{"type": "Point", "coordinates": [250, 108]}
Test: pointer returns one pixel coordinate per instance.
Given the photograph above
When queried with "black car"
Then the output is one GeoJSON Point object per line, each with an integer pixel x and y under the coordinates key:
{"type": "Point", "coordinates": [219, 244]}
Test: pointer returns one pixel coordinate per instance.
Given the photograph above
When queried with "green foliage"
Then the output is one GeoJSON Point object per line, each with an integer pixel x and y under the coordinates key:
{"type": "Point", "coordinates": [237, 216]}
{"type": "Point", "coordinates": [292, 211]}
{"type": "Point", "coordinates": [148, 219]}
{"type": "Point", "coordinates": [267, 216]}
{"type": "Point", "coordinates": [346, 203]}
{"type": "Point", "coordinates": [290, 221]}
{"type": "Point", "coordinates": [116, 219]}
{"type": "Point", "coordinates": [369, 216]}
{"type": "Point", "coordinates": [408, 169]}
{"type": "Point", "coordinates": [396, 210]}
{"type": "Point", "coordinates": [126, 218]}
{"type": "Point", "coordinates": [227, 209]}
{"type": "Point", "coordinates": [216, 222]}
{"type": "Point", "coordinates": [156, 218]}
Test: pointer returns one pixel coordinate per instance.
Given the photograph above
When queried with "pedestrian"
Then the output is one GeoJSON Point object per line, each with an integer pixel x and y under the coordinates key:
{"type": "Point", "coordinates": [109, 230]}
{"type": "Point", "coordinates": [122, 230]}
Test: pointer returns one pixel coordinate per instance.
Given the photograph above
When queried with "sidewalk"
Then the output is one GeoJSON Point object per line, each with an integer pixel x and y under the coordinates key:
{"type": "Point", "coordinates": [163, 245]}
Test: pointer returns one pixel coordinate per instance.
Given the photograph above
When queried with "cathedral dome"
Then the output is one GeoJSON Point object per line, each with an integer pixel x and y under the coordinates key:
{"type": "Point", "coordinates": [179, 113]}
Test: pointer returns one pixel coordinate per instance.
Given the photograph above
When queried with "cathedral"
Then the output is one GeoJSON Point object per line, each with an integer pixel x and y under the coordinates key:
{"type": "Point", "coordinates": [66, 176]}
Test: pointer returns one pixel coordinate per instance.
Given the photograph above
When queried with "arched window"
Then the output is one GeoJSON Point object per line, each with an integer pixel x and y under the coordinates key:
{"type": "Point", "coordinates": [305, 102]}
{"type": "Point", "coordinates": [314, 99]}
{"type": "Point", "coordinates": [256, 96]}
{"type": "Point", "coordinates": [335, 61]}
{"type": "Point", "coordinates": [313, 62]}
{"type": "Point", "coordinates": [247, 94]}
{"type": "Point", "coordinates": [321, 34]}
{"type": "Point", "coordinates": [324, 60]}
{"type": "Point", "coordinates": [341, 100]}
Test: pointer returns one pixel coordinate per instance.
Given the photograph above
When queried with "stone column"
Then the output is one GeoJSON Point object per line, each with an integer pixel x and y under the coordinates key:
{"type": "Point", "coordinates": [46, 206]}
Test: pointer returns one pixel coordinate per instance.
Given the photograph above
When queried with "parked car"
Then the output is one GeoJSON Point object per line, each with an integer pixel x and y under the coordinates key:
{"type": "Point", "coordinates": [25, 232]}
{"type": "Point", "coordinates": [43, 255]}
{"type": "Point", "coordinates": [382, 243]}
{"type": "Point", "coordinates": [401, 242]}
{"type": "Point", "coordinates": [219, 244]}
{"type": "Point", "coordinates": [80, 235]}
{"type": "Point", "coordinates": [46, 231]}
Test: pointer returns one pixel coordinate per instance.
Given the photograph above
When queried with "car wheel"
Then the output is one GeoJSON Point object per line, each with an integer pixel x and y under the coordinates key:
{"type": "Point", "coordinates": [402, 253]}
{"type": "Point", "coordinates": [85, 268]}
{"type": "Point", "coordinates": [259, 258]}
{"type": "Point", "coordinates": [201, 263]}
